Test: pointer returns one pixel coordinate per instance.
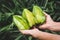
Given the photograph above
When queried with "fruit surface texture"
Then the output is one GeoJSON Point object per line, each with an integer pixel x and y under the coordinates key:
{"type": "Point", "coordinates": [20, 22]}
{"type": "Point", "coordinates": [29, 17]}
{"type": "Point", "coordinates": [39, 15]}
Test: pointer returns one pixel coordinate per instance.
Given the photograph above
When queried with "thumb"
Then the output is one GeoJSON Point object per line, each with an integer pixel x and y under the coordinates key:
{"type": "Point", "coordinates": [44, 26]}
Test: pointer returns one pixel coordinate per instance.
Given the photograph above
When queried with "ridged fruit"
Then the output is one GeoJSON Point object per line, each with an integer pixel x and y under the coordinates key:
{"type": "Point", "coordinates": [39, 15]}
{"type": "Point", "coordinates": [29, 17]}
{"type": "Point", "coordinates": [20, 22]}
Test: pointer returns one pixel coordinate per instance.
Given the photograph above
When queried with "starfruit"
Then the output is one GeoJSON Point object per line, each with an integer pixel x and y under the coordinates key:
{"type": "Point", "coordinates": [29, 17]}
{"type": "Point", "coordinates": [20, 22]}
{"type": "Point", "coordinates": [39, 15]}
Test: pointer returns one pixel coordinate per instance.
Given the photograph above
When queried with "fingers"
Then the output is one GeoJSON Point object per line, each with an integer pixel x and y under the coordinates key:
{"type": "Point", "coordinates": [29, 32]}
{"type": "Point", "coordinates": [44, 26]}
{"type": "Point", "coordinates": [47, 23]}
{"type": "Point", "coordinates": [32, 32]}
{"type": "Point", "coordinates": [26, 31]}
{"type": "Point", "coordinates": [46, 14]}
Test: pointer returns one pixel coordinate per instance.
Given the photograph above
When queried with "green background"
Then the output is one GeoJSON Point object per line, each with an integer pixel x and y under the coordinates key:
{"type": "Point", "coordinates": [8, 8]}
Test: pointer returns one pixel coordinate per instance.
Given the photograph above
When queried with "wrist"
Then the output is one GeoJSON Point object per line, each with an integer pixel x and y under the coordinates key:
{"type": "Point", "coordinates": [55, 26]}
{"type": "Point", "coordinates": [48, 36]}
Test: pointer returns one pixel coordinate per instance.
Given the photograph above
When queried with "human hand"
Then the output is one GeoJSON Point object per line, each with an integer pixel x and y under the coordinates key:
{"type": "Point", "coordinates": [40, 35]}
{"type": "Point", "coordinates": [33, 32]}
{"type": "Point", "coordinates": [50, 24]}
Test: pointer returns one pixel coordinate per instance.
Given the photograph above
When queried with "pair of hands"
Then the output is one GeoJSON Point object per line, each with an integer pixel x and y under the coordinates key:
{"type": "Point", "coordinates": [49, 25]}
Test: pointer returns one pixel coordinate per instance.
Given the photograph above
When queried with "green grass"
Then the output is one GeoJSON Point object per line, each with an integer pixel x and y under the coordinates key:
{"type": "Point", "coordinates": [8, 8]}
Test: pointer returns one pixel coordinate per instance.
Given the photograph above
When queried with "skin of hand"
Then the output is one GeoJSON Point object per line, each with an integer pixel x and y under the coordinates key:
{"type": "Point", "coordinates": [44, 35]}
{"type": "Point", "coordinates": [50, 24]}
{"type": "Point", "coordinates": [40, 35]}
